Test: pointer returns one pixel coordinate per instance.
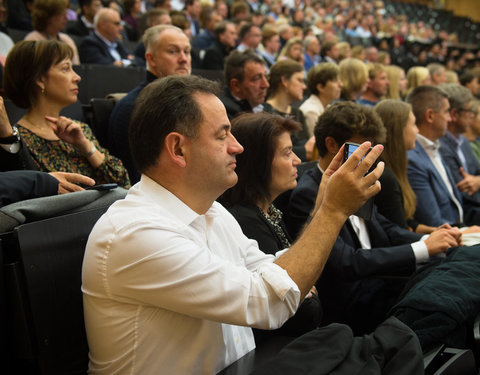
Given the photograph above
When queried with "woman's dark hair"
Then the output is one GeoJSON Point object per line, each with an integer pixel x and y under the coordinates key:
{"type": "Point", "coordinates": [282, 69]}
{"type": "Point", "coordinates": [27, 62]}
{"type": "Point", "coordinates": [258, 133]}
{"type": "Point", "coordinates": [45, 9]}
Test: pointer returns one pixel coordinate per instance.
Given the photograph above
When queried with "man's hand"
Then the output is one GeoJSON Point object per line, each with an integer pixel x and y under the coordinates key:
{"type": "Point", "coordinates": [68, 181]}
{"type": "Point", "coordinates": [441, 240]}
{"type": "Point", "coordinates": [470, 183]}
{"type": "Point", "coordinates": [345, 188]}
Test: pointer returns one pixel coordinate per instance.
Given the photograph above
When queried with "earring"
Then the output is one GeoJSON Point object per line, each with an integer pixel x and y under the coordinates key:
{"type": "Point", "coordinates": [43, 90]}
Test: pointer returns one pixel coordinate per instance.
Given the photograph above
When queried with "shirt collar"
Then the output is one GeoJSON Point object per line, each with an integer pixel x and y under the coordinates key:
{"type": "Point", "coordinates": [106, 41]}
{"type": "Point", "coordinates": [457, 140]}
{"type": "Point", "coordinates": [427, 143]}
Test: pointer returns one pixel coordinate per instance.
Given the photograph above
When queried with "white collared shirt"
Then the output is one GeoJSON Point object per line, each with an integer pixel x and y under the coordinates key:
{"type": "Point", "coordinates": [169, 291]}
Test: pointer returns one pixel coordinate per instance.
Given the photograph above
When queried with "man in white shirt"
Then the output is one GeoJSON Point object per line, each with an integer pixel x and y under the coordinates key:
{"type": "Point", "coordinates": [170, 283]}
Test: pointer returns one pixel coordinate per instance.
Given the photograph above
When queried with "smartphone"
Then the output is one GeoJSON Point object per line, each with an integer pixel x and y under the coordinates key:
{"type": "Point", "coordinates": [102, 187]}
{"type": "Point", "coordinates": [366, 211]}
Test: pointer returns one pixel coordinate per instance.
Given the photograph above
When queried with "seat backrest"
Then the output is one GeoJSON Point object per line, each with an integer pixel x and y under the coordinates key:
{"type": "Point", "coordinates": [52, 252]}
{"type": "Point", "coordinates": [101, 110]}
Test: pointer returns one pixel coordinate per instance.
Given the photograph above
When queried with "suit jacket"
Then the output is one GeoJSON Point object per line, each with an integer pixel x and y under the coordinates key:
{"type": "Point", "coordinates": [118, 128]}
{"type": "Point", "coordinates": [214, 58]}
{"type": "Point", "coordinates": [93, 50]}
{"type": "Point", "coordinates": [20, 185]}
{"type": "Point", "coordinates": [448, 150]}
{"type": "Point", "coordinates": [233, 106]}
{"type": "Point", "coordinates": [434, 203]}
{"type": "Point", "coordinates": [349, 287]}
{"type": "Point", "coordinates": [78, 27]}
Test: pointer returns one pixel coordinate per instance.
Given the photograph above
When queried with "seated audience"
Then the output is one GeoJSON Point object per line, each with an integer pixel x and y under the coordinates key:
{"type": "Point", "coordinates": [225, 41]}
{"type": "Point", "coordinates": [103, 46]}
{"type": "Point", "coordinates": [438, 199]}
{"type": "Point", "coordinates": [455, 149]}
{"type": "Point", "coordinates": [131, 15]}
{"type": "Point", "coordinates": [293, 50]}
{"type": "Point", "coordinates": [250, 37]}
{"type": "Point", "coordinates": [330, 52]}
{"type": "Point", "coordinates": [417, 76]}
{"type": "Point", "coordinates": [349, 287]}
{"type": "Point", "coordinates": [192, 12]}
{"type": "Point", "coordinates": [354, 76]}
{"type": "Point", "coordinates": [186, 244]}
{"type": "Point", "coordinates": [210, 18]}
{"type": "Point", "coordinates": [473, 131]}
{"type": "Point", "coordinates": [397, 82]}
{"type": "Point", "coordinates": [17, 186]}
{"type": "Point", "coordinates": [287, 84]}
{"type": "Point", "coordinates": [268, 147]}
{"type": "Point", "coordinates": [325, 87]}
{"type": "Point", "coordinates": [246, 83]}
{"type": "Point", "coordinates": [83, 26]}
{"type": "Point", "coordinates": [377, 85]}
{"type": "Point", "coordinates": [437, 74]}
{"type": "Point", "coordinates": [49, 18]}
{"type": "Point", "coordinates": [159, 41]}
{"type": "Point", "coordinates": [470, 81]}
{"type": "Point", "coordinates": [271, 45]}
{"type": "Point", "coordinates": [311, 56]}
{"type": "Point", "coordinates": [39, 77]}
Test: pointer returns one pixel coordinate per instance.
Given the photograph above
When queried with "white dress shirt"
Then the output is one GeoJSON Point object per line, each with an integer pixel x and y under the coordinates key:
{"type": "Point", "coordinates": [168, 291]}
{"type": "Point", "coordinates": [312, 108]}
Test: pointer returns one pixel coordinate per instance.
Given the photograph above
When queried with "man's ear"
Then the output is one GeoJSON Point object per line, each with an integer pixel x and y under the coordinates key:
{"type": "Point", "coordinates": [149, 59]}
{"type": "Point", "coordinates": [235, 86]}
{"type": "Point", "coordinates": [429, 113]}
{"type": "Point", "coordinates": [454, 114]}
{"type": "Point", "coordinates": [175, 145]}
{"type": "Point", "coordinates": [331, 145]}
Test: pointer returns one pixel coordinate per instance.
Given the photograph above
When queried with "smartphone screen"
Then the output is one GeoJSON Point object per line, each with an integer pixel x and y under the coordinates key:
{"type": "Point", "coordinates": [350, 148]}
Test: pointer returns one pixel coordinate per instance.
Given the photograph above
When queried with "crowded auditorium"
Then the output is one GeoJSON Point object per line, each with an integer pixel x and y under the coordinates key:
{"type": "Point", "coordinates": [301, 181]}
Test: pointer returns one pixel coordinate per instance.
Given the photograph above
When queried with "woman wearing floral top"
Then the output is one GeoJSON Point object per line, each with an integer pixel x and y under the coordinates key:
{"type": "Point", "coordinates": [39, 76]}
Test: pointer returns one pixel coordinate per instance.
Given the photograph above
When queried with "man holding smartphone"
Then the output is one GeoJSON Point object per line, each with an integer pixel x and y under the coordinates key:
{"type": "Point", "coordinates": [171, 285]}
{"type": "Point", "coordinates": [349, 287]}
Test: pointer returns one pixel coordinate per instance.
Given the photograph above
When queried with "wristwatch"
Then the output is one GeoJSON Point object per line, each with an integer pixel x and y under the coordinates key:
{"type": "Point", "coordinates": [14, 138]}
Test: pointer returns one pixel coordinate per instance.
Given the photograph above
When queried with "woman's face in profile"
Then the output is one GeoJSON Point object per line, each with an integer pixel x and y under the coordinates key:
{"type": "Point", "coordinates": [295, 85]}
{"type": "Point", "coordinates": [284, 166]}
{"type": "Point", "coordinates": [61, 83]}
{"type": "Point", "coordinates": [410, 132]}
{"type": "Point", "coordinates": [58, 21]}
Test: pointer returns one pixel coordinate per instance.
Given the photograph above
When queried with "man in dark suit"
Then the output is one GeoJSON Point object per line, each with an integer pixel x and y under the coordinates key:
{"type": "Point", "coordinates": [246, 83]}
{"type": "Point", "coordinates": [159, 40]}
{"type": "Point", "coordinates": [350, 288]}
{"type": "Point", "coordinates": [225, 41]}
{"type": "Point", "coordinates": [438, 198]}
{"type": "Point", "coordinates": [83, 26]}
{"type": "Point", "coordinates": [103, 45]}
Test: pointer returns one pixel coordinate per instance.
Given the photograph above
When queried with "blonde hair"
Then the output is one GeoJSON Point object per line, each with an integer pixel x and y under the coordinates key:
{"type": "Point", "coordinates": [285, 52]}
{"type": "Point", "coordinates": [415, 77]}
{"type": "Point", "coordinates": [393, 74]}
{"type": "Point", "coordinates": [354, 75]}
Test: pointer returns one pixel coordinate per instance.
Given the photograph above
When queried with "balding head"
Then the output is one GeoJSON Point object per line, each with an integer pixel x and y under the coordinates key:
{"type": "Point", "coordinates": [108, 24]}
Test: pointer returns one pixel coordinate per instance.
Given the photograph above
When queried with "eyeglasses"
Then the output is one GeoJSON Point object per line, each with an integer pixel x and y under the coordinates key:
{"type": "Point", "coordinates": [470, 112]}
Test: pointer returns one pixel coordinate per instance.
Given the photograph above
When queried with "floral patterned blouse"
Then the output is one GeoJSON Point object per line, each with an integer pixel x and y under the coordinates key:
{"type": "Point", "coordinates": [53, 156]}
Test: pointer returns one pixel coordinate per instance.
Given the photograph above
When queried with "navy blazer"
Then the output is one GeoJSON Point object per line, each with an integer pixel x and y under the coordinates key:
{"type": "Point", "coordinates": [93, 50]}
{"type": "Point", "coordinates": [448, 150]}
{"type": "Point", "coordinates": [434, 203]}
{"type": "Point", "coordinates": [349, 282]}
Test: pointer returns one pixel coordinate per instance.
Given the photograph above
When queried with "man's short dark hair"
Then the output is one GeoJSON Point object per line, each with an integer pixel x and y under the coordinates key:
{"type": "Point", "coordinates": [245, 29]}
{"type": "Point", "coordinates": [321, 74]}
{"type": "Point", "coordinates": [221, 27]}
{"type": "Point", "coordinates": [458, 96]}
{"type": "Point", "coordinates": [466, 78]}
{"type": "Point", "coordinates": [425, 97]}
{"type": "Point", "coordinates": [345, 120]}
{"type": "Point", "coordinates": [235, 64]}
{"type": "Point", "coordinates": [164, 106]}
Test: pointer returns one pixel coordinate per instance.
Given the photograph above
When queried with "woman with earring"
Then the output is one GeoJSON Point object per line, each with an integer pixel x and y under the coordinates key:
{"type": "Point", "coordinates": [39, 77]}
